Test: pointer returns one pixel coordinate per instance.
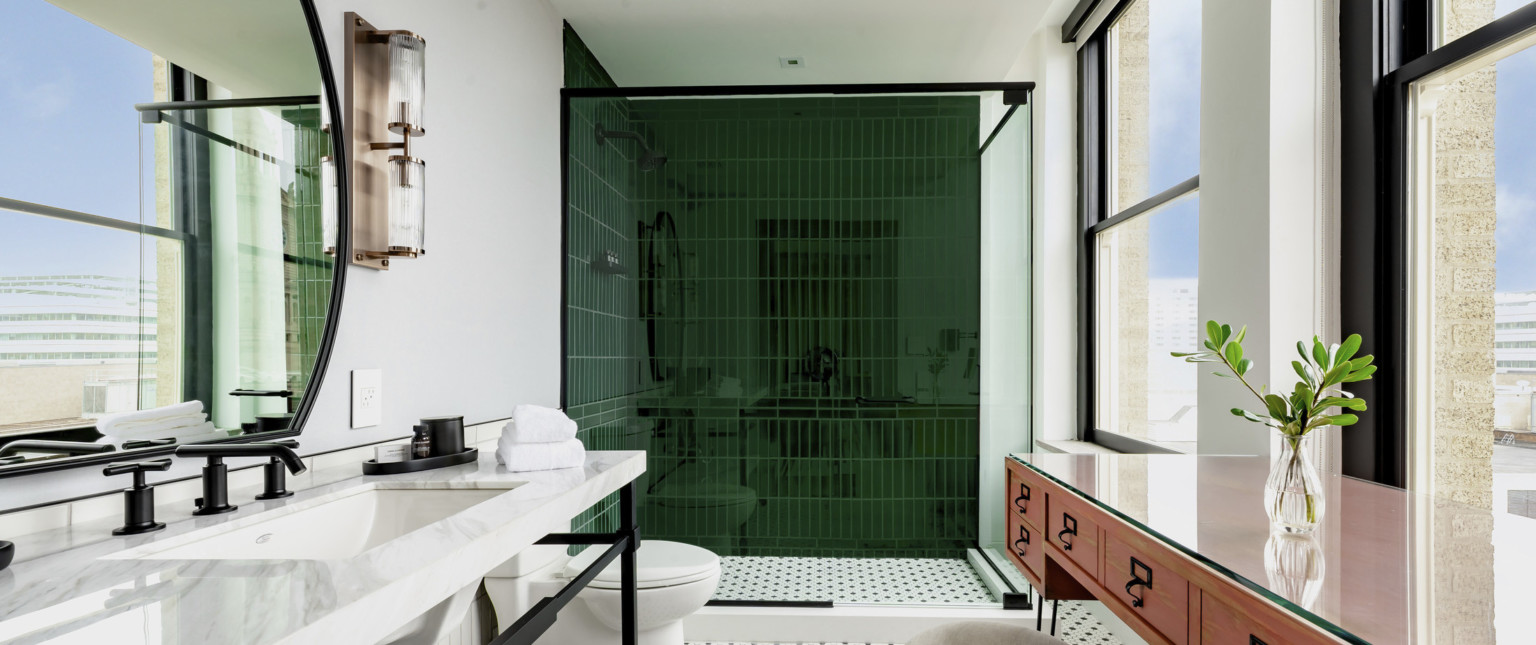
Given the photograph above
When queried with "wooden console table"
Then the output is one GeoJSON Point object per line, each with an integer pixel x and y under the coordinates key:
{"type": "Point", "coordinates": [1179, 548]}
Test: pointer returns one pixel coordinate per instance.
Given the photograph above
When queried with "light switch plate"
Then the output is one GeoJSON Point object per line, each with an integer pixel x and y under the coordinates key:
{"type": "Point", "coordinates": [367, 397]}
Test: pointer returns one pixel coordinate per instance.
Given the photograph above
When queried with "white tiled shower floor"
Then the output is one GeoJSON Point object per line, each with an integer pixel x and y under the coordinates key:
{"type": "Point", "coordinates": [924, 581]}
{"type": "Point", "coordinates": [852, 580]}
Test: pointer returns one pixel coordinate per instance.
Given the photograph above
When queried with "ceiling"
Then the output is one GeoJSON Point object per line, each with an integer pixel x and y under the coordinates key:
{"type": "Point", "coordinates": [740, 42]}
{"type": "Point", "coordinates": [251, 47]}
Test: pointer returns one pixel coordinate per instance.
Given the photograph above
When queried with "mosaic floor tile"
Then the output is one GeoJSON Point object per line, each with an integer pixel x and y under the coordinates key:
{"type": "Point", "coordinates": [919, 581]}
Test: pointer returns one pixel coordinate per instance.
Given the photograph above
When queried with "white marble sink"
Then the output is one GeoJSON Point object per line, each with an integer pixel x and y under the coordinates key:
{"type": "Point", "coordinates": [337, 526]}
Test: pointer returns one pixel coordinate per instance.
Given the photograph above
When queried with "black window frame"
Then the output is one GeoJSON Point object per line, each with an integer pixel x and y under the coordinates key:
{"type": "Point", "coordinates": [1384, 47]}
{"type": "Point", "coordinates": [1094, 214]}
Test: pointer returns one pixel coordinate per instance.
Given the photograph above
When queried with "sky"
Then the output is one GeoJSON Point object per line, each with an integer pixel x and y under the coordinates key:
{"type": "Point", "coordinates": [69, 88]}
{"type": "Point", "coordinates": [1175, 134]}
{"type": "Point", "coordinates": [1515, 166]}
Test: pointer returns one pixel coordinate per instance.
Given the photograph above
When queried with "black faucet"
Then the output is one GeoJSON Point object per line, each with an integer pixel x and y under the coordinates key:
{"type": "Point", "coordinates": [275, 478]}
{"type": "Point", "coordinates": [138, 501]}
{"type": "Point", "coordinates": [215, 499]}
{"type": "Point", "coordinates": [55, 447]}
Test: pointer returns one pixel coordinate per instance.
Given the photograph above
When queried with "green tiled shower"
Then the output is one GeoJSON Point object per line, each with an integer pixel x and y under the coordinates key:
{"type": "Point", "coordinates": [785, 315]}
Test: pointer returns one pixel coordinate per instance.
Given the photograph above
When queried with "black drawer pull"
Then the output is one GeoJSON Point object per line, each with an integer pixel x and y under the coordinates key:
{"type": "Point", "coordinates": [1139, 580]}
{"type": "Point", "coordinates": [1071, 529]}
{"type": "Point", "coordinates": [1020, 501]}
{"type": "Point", "coordinates": [1022, 544]}
{"type": "Point", "coordinates": [1254, 640]}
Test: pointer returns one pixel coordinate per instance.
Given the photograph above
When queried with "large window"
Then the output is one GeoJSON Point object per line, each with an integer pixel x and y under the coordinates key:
{"type": "Point", "coordinates": [1140, 72]}
{"type": "Point", "coordinates": [1471, 211]}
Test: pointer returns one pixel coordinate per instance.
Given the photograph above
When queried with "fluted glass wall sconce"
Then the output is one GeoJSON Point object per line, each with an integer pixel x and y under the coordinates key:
{"type": "Point", "coordinates": [328, 213]}
{"type": "Point", "coordinates": [386, 97]}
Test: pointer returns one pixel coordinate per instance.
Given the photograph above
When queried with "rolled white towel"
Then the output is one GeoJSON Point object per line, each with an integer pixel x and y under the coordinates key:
{"type": "Point", "coordinates": [525, 457]}
{"type": "Point", "coordinates": [115, 423]}
{"type": "Point", "coordinates": [538, 424]}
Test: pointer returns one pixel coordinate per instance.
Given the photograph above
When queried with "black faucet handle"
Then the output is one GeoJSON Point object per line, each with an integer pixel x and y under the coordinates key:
{"type": "Point", "coordinates": [139, 501]}
{"type": "Point", "coordinates": [275, 477]}
{"type": "Point", "coordinates": [138, 468]}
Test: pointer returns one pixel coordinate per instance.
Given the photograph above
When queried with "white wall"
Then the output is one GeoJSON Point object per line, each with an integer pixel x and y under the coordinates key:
{"type": "Point", "coordinates": [1258, 194]}
{"type": "Point", "coordinates": [473, 327]}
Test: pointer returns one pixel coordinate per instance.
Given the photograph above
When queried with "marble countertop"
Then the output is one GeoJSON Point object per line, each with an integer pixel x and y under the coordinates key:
{"type": "Point", "coordinates": [78, 592]}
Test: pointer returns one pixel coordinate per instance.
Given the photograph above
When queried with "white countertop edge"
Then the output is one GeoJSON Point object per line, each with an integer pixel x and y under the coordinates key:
{"type": "Point", "coordinates": [359, 599]}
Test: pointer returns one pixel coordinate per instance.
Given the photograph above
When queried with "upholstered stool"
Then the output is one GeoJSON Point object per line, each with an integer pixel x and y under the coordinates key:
{"type": "Point", "coordinates": [982, 633]}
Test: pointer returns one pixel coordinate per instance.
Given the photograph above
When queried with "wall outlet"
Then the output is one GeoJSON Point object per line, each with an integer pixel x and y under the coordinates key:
{"type": "Point", "coordinates": [367, 397]}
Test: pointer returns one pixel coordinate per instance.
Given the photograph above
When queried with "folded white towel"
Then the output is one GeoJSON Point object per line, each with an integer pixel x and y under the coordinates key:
{"type": "Point", "coordinates": [537, 424]}
{"type": "Point", "coordinates": [177, 415]}
{"type": "Point", "coordinates": [525, 457]}
{"type": "Point", "coordinates": [157, 428]}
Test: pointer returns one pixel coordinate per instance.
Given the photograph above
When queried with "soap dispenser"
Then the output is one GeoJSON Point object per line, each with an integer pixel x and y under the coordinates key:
{"type": "Point", "coordinates": [421, 445]}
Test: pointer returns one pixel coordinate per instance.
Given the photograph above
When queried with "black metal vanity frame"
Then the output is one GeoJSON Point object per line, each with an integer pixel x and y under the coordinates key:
{"type": "Point", "coordinates": [624, 543]}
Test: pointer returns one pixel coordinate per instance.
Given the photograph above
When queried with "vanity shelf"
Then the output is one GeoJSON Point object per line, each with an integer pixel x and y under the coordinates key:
{"type": "Point", "coordinates": [372, 467]}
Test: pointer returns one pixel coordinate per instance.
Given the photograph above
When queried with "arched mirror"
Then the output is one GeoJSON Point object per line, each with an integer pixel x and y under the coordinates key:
{"type": "Point", "coordinates": [170, 213]}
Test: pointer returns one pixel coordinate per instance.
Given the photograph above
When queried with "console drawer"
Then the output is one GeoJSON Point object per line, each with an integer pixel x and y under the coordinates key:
{"type": "Point", "coordinates": [1256, 623]}
{"type": "Point", "coordinates": [1026, 547]}
{"type": "Point", "coordinates": [1072, 527]}
{"type": "Point", "coordinates": [1026, 495]}
{"type": "Point", "coordinates": [1147, 587]}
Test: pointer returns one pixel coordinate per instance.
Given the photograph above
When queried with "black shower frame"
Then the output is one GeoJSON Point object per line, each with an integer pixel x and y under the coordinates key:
{"type": "Point", "coordinates": [1014, 94]}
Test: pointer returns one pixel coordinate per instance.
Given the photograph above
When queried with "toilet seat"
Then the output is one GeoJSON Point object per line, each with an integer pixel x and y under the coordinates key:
{"type": "Point", "coordinates": [658, 563]}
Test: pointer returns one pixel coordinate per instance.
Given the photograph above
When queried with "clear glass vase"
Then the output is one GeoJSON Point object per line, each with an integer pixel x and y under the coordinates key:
{"type": "Point", "coordinates": [1293, 495]}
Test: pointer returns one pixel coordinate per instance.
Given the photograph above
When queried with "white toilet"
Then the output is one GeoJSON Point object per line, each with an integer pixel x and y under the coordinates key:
{"type": "Point", "coordinates": [674, 580]}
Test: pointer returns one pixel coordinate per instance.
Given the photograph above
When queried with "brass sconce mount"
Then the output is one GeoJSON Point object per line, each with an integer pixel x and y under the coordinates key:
{"type": "Point", "coordinates": [385, 88]}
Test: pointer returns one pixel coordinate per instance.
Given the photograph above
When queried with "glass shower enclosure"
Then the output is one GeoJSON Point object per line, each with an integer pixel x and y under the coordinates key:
{"type": "Point", "coordinates": [777, 293]}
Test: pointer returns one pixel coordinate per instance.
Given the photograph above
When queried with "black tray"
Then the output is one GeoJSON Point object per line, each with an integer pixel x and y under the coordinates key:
{"type": "Point", "coordinates": [372, 467]}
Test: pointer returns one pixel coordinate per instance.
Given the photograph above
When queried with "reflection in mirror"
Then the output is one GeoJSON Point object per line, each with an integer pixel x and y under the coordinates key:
{"type": "Point", "coordinates": [166, 278]}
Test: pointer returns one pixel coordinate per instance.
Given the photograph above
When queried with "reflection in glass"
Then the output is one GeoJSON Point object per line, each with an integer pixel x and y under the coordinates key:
{"type": "Point", "coordinates": [1295, 566]}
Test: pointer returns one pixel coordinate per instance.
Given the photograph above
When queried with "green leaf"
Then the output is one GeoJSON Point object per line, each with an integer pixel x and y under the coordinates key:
{"type": "Point", "coordinates": [1276, 406]}
{"type": "Point", "coordinates": [1223, 375]}
{"type": "Point", "coordinates": [1240, 334]}
{"type": "Point", "coordinates": [1243, 366]}
{"type": "Point", "coordinates": [1348, 349]}
{"type": "Point", "coordinates": [1335, 376]}
{"type": "Point", "coordinates": [1361, 375]}
{"type": "Point", "coordinates": [1235, 353]}
{"type": "Point", "coordinates": [1226, 333]}
{"type": "Point", "coordinates": [1361, 362]}
{"type": "Point", "coordinates": [1210, 345]}
{"type": "Point", "coordinates": [1343, 419]}
{"type": "Point", "coordinates": [1301, 348]}
{"type": "Point", "coordinates": [1301, 371]}
{"type": "Point", "coordinates": [1319, 353]}
{"type": "Point", "coordinates": [1183, 354]}
{"type": "Point", "coordinates": [1213, 331]}
{"type": "Point", "coordinates": [1343, 402]}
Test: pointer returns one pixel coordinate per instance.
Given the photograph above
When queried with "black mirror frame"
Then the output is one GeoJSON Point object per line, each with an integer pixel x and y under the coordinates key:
{"type": "Point", "coordinates": [338, 286]}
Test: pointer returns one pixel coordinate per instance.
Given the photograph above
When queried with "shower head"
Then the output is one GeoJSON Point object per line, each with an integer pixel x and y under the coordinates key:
{"type": "Point", "coordinates": [648, 159]}
{"type": "Point", "coordinates": [651, 161]}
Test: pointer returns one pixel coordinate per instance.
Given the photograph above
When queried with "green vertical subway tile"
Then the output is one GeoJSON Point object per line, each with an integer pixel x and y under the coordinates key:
{"type": "Point", "coordinates": [840, 222]}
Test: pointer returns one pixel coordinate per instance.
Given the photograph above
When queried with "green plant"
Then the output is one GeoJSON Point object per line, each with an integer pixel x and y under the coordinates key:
{"type": "Point", "coordinates": [1323, 371]}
